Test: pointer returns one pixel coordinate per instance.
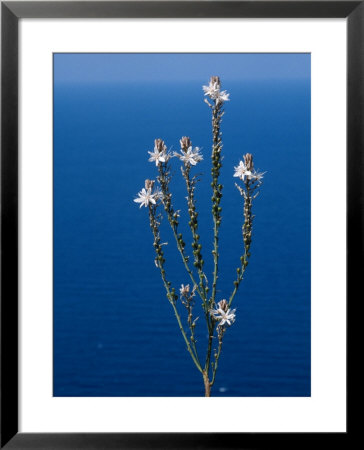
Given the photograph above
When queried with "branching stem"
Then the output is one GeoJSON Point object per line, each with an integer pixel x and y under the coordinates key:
{"type": "Point", "coordinates": [170, 292]}
{"type": "Point", "coordinates": [164, 179]}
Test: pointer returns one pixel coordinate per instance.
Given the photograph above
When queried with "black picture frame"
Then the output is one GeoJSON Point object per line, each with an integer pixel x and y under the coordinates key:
{"type": "Point", "coordinates": [11, 12]}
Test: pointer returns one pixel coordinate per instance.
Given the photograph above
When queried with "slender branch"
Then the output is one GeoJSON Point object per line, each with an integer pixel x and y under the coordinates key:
{"type": "Point", "coordinates": [199, 262]}
{"type": "Point", "coordinates": [247, 233]}
{"type": "Point", "coordinates": [250, 185]}
{"type": "Point", "coordinates": [217, 355]}
{"type": "Point", "coordinates": [197, 247]}
{"type": "Point", "coordinates": [187, 301]}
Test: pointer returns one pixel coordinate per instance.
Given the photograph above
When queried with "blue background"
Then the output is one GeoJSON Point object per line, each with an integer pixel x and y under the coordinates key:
{"type": "Point", "coordinates": [114, 331]}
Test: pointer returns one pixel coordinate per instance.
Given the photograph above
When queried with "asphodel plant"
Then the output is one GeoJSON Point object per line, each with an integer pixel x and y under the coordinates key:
{"type": "Point", "coordinates": [157, 198]}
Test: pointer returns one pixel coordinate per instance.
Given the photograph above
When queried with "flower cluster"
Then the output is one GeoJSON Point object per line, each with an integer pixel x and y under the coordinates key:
{"type": "Point", "coordinates": [213, 90]}
{"type": "Point", "coordinates": [189, 156]}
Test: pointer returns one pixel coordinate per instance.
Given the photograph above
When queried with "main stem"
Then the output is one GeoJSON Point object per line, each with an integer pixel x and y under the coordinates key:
{"type": "Point", "coordinates": [207, 384]}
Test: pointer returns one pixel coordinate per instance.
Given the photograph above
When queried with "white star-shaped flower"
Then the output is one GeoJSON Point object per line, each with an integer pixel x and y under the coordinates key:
{"type": "Point", "coordinates": [145, 197]}
{"type": "Point", "coordinates": [157, 156]}
{"type": "Point", "coordinates": [257, 175]}
{"type": "Point", "coordinates": [241, 171]}
{"type": "Point", "coordinates": [223, 314]}
{"type": "Point", "coordinates": [223, 97]}
{"type": "Point", "coordinates": [191, 156]}
{"type": "Point", "coordinates": [214, 92]}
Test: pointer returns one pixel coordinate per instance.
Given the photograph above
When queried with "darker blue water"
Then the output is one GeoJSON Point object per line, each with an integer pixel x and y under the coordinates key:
{"type": "Point", "coordinates": [114, 331]}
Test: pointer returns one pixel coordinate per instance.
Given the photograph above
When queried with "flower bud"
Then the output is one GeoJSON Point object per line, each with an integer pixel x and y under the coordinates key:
{"type": "Point", "coordinates": [215, 80]}
{"type": "Point", "coordinates": [159, 145]}
{"type": "Point", "coordinates": [223, 304]}
{"type": "Point", "coordinates": [149, 184]}
{"type": "Point", "coordinates": [185, 142]}
{"type": "Point", "coordinates": [248, 161]}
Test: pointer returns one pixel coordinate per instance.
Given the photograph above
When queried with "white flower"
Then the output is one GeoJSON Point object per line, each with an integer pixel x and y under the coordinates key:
{"type": "Point", "coordinates": [214, 92]}
{"type": "Point", "coordinates": [241, 171]}
{"type": "Point", "coordinates": [257, 175]}
{"type": "Point", "coordinates": [145, 197]}
{"type": "Point", "coordinates": [223, 97]}
{"type": "Point", "coordinates": [191, 156]}
{"type": "Point", "coordinates": [157, 156]}
{"type": "Point", "coordinates": [223, 314]}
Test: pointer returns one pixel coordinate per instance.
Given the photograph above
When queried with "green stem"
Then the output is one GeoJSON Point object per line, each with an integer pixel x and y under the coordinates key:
{"type": "Point", "coordinates": [216, 361]}
{"type": "Point", "coordinates": [194, 226]}
{"type": "Point", "coordinates": [247, 233]}
{"type": "Point", "coordinates": [193, 355]}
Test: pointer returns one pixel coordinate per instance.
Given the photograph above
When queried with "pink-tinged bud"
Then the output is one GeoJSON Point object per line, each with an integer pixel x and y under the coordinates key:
{"type": "Point", "coordinates": [149, 184]}
{"type": "Point", "coordinates": [223, 304]}
{"type": "Point", "coordinates": [159, 145]}
{"type": "Point", "coordinates": [185, 142]}
{"type": "Point", "coordinates": [215, 80]}
{"type": "Point", "coordinates": [248, 161]}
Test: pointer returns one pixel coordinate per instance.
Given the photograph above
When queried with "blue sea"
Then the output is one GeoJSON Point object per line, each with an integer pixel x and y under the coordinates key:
{"type": "Point", "coordinates": [115, 333]}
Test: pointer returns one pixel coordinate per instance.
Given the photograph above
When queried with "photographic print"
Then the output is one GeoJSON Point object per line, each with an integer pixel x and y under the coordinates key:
{"type": "Point", "coordinates": [181, 232]}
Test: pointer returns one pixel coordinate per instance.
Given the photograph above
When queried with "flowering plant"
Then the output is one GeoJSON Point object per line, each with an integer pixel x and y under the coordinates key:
{"type": "Point", "coordinates": [218, 314]}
